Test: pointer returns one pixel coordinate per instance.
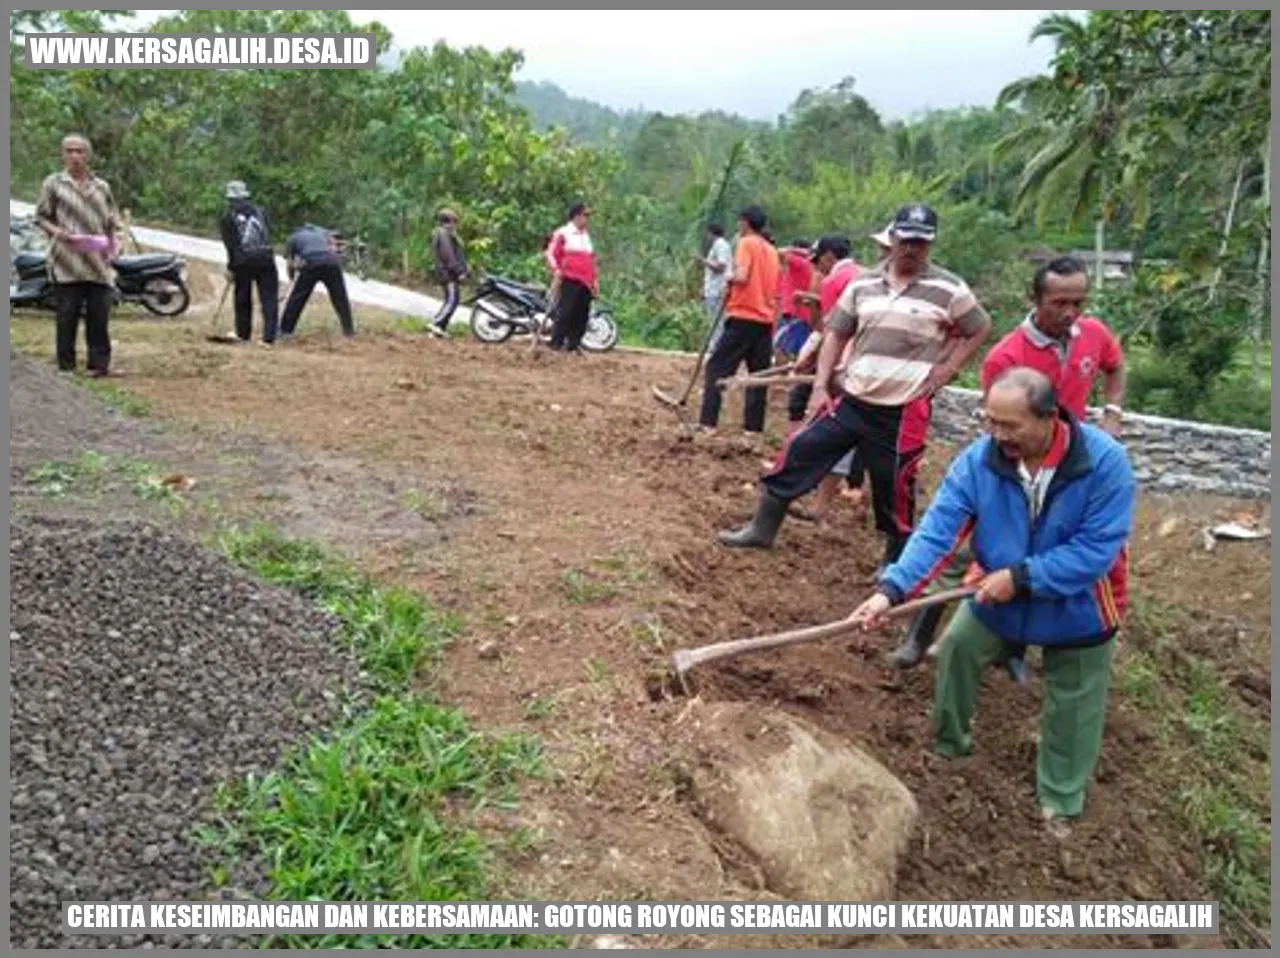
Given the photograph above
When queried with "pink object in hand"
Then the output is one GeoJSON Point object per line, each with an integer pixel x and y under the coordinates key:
{"type": "Point", "coordinates": [89, 242]}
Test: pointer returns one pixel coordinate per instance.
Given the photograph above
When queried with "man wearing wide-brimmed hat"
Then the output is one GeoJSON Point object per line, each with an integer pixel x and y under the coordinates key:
{"type": "Point", "coordinates": [251, 260]}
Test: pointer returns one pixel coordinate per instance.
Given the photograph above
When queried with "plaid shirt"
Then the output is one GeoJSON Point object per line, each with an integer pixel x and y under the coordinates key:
{"type": "Point", "coordinates": [78, 208]}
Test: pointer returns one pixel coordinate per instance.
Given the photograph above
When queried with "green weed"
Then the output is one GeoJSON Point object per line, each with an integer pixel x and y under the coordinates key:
{"type": "Point", "coordinates": [383, 807]}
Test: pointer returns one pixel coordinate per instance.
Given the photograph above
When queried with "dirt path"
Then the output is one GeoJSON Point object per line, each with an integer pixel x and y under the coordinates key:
{"type": "Point", "coordinates": [549, 501]}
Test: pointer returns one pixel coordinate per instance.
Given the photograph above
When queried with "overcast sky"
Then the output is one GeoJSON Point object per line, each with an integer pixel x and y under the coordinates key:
{"type": "Point", "coordinates": [749, 62]}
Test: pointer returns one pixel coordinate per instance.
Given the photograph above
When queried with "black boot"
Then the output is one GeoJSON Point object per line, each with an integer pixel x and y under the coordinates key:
{"type": "Point", "coordinates": [761, 531]}
{"type": "Point", "coordinates": [919, 638]}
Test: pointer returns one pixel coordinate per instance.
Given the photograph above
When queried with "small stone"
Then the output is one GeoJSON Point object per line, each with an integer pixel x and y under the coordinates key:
{"type": "Point", "coordinates": [488, 650]}
{"type": "Point", "coordinates": [610, 941]}
{"type": "Point", "coordinates": [114, 634]}
{"type": "Point", "coordinates": [1072, 867]}
{"type": "Point", "coordinates": [1140, 890]}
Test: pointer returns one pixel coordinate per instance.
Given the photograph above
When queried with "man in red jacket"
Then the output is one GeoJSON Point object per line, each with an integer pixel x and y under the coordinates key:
{"type": "Point", "coordinates": [1072, 350]}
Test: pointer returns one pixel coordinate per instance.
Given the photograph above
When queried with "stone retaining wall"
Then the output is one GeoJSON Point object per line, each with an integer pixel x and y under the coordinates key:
{"type": "Point", "coordinates": [1168, 455]}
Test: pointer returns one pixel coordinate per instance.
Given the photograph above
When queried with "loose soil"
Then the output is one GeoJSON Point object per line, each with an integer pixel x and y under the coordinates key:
{"type": "Point", "coordinates": [560, 511]}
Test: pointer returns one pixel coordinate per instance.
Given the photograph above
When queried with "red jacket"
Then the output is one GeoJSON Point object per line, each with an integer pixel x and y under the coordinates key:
{"type": "Point", "coordinates": [573, 254]}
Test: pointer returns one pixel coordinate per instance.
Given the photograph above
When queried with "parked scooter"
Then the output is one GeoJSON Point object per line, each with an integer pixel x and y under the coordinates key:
{"type": "Point", "coordinates": [501, 308]}
{"type": "Point", "coordinates": [157, 281]}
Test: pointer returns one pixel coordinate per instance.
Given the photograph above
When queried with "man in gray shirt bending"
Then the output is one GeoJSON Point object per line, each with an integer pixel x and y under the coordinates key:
{"type": "Point", "coordinates": [313, 256]}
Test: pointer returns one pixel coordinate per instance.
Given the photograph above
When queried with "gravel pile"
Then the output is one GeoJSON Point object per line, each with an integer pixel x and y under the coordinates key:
{"type": "Point", "coordinates": [145, 671]}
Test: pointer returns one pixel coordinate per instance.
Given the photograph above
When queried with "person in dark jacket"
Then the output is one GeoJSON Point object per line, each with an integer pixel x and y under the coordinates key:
{"type": "Point", "coordinates": [246, 234]}
{"type": "Point", "coordinates": [314, 257]}
{"type": "Point", "coordinates": [1047, 504]}
{"type": "Point", "coordinates": [450, 268]}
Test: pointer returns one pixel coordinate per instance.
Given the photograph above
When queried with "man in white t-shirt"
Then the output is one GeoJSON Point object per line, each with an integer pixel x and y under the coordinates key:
{"type": "Point", "coordinates": [715, 271]}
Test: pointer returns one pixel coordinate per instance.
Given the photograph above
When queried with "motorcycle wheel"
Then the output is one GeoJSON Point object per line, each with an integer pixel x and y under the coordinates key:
{"type": "Point", "coordinates": [164, 297]}
{"type": "Point", "coordinates": [488, 327]}
{"type": "Point", "coordinates": [601, 335]}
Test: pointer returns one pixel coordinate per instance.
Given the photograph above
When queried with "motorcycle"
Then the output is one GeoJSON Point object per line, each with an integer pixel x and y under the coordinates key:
{"type": "Point", "coordinates": [157, 281]}
{"type": "Point", "coordinates": [502, 308]}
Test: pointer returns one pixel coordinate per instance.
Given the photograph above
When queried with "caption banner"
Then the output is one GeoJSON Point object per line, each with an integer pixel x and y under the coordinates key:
{"type": "Point", "coordinates": [709, 917]}
{"type": "Point", "coordinates": [200, 51]}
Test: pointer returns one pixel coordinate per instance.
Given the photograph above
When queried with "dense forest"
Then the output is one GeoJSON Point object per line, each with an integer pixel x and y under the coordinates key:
{"type": "Point", "coordinates": [1149, 133]}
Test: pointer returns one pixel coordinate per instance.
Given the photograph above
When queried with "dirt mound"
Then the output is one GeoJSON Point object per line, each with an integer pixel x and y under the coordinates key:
{"type": "Point", "coordinates": [145, 672]}
{"type": "Point", "coordinates": [51, 419]}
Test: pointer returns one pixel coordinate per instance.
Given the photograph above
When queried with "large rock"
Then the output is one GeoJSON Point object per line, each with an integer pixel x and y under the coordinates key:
{"type": "Point", "coordinates": [823, 819]}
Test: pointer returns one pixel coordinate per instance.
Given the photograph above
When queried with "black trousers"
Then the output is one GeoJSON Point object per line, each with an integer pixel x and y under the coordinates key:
{"type": "Point", "coordinates": [451, 296]}
{"type": "Point", "coordinates": [573, 312]}
{"type": "Point", "coordinates": [890, 441]}
{"type": "Point", "coordinates": [334, 283]}
{"type": "Point", "coordinates": [267, 279]}
{"type": "Point", "coordinates": [94, 301]}
{"type": "Point", "coordinates": [797, 405]}
{"type": "Point", "coordinates": [743, 340]}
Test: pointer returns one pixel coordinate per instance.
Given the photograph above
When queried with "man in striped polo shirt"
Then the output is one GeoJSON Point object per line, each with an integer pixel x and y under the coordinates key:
{"type": "Point", "coordinates": [913, 327]}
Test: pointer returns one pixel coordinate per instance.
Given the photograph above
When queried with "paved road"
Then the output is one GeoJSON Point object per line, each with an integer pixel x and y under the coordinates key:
{"type": "Point", "coordinates": [367, 292]}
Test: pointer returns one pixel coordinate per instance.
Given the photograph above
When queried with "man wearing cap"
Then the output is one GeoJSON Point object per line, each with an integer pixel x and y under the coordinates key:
{"type": "Point", "coordinates": [450, 268]}
{"type": "Point", "coordinates": [1073, 350]}
{"type": "Point", "coordinates": [912, 326]}
{"type": "Point", "coordinates": [74, 208]}
{"type": "Point", "coordinates": [250, 260]}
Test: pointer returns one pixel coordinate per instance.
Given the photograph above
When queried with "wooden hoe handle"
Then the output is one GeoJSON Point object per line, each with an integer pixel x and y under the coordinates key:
{"type": "Point", "coordinates": [685, 659]}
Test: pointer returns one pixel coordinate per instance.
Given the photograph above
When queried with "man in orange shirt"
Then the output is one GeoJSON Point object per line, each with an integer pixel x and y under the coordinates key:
{"type": "Point", "coordinates": [749, 309]}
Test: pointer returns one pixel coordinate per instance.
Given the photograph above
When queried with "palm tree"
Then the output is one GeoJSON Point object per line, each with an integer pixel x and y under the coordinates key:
{"type": "Point", "coordinates": [1077, 137]}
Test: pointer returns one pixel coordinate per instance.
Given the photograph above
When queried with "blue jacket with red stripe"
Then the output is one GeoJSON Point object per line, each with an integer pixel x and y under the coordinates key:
{"type": "Point", "coordinates": [1070, 567]}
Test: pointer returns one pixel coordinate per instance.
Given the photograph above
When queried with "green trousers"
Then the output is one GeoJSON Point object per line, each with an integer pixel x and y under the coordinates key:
{"type": "Point", "coordinates": [1071, 719]}
{"type": "Point", "coordinates": [952, 574]}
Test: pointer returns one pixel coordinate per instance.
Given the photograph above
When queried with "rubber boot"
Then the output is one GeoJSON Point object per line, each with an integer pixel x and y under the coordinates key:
{"type": "Point", "coordinates": [763, 529]}
{"type": "Point", "coordinates": [1018, 669]}
{"type": "Point", "coordinates": [919, 638]}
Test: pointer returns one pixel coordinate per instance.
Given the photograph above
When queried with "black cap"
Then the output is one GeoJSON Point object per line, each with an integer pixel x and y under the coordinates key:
{"type": "Point", "coordinates": [835, 244]}
{"type": "Point", "coordinates": [915, 221]}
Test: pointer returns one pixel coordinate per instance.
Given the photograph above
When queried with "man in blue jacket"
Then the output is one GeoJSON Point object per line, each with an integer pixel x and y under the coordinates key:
{"type": "Point", "coordinates": [1047, 505]}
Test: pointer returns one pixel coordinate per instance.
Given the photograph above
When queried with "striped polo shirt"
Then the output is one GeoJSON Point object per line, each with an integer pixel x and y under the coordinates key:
{"type": "Point", "coordinates": [900, 335]}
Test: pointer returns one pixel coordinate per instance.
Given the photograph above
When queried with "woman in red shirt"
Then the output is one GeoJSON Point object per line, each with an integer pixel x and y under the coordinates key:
{"type": "Point", "coordinates": [572, 261]}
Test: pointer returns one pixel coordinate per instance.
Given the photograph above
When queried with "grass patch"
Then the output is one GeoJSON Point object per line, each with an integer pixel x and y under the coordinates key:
{"type": "Point", "coordinates": [582, 587]}
{"type": "Point", "coordinates": [92, 472]}
{"type": "Point", "coordinates": [382, 808]}
{"type": "Point", "coordinates": [428, 504]}
{"type": "Point", "coordinates": [539, 708]}
{"type": "Point", "coordinates": [607, 577]}
{"type": "Point", "coordinates": [1215, 756]}
{"type": "Point", "coordinates": [394, 632]}
{"type": "Point", "coordinates": [121, 400]}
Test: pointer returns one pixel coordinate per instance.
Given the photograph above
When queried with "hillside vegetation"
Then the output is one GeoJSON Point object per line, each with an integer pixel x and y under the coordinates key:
{"type": "Point", "coordinates": [1150, 132]}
